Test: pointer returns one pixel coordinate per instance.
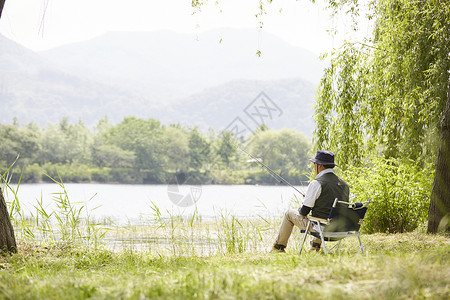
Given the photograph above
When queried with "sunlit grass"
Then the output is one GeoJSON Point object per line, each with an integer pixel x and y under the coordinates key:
{"type": "Point", "coordinates": [401, 266]}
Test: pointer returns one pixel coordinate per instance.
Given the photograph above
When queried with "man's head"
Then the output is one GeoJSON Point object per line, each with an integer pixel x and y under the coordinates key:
{"type": "Point", "coordinates": [323, 160]}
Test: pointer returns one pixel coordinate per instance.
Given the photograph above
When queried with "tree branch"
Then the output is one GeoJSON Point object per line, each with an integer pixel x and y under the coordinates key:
{"type": "Point", "coordinates": [2, 3]}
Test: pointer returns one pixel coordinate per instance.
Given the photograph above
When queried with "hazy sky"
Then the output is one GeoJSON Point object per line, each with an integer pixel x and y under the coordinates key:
{"type": "Point", "coordinates": [44, 24]}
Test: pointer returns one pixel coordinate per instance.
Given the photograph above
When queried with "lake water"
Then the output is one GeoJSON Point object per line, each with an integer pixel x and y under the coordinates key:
{"type": "Point", "coordinates": [132, 204]}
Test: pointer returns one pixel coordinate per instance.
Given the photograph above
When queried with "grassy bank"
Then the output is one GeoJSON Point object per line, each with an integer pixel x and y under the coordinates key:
{"type": "Point", "coordinates": [65, 254]}
{"type": "Point", "coordinates": [400, 266]}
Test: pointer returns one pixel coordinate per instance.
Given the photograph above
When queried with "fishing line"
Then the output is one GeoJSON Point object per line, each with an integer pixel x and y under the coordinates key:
{"type": "Point", "coordinates": [271, 172]}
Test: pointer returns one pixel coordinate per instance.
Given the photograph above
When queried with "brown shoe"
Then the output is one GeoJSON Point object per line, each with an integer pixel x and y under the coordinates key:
{"type": "Point", "coordinates": [277, 248]}
{"type": "Point", "coordinates": [314, 247]}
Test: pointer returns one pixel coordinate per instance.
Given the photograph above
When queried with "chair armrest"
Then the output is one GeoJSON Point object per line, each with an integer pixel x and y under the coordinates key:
{"type": "Point", "coordinates": [350, 204]}
{"type": "Point", "coordinates": [323, 221]}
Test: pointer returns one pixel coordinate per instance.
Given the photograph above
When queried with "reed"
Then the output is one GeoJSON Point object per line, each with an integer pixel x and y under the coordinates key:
{"type": "Point", "coordinates": [66, 222]}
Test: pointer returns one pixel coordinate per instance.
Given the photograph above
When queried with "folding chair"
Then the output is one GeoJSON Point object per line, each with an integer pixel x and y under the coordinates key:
{"type": "Point", "coordinates": [344, 220]}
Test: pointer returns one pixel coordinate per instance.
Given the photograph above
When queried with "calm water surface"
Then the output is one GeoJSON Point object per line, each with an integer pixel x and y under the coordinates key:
{"type": "Point", "coordinates": [133, 203]}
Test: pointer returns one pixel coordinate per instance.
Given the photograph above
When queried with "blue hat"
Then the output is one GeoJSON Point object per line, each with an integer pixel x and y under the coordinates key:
{"type": "Point", "coordinates": [323, 158]}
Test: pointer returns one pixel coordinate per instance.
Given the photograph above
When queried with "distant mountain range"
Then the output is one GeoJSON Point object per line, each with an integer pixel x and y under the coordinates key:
{"type": "Point", "coordinates": [173, 77]}
{"type": "Point", "coordinates": [217, 107]}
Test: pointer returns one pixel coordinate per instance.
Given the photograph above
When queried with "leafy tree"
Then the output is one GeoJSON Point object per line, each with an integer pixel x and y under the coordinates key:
{"type": "Point", "coordinates": [227, 147]}
{"type": "Point", "coordinates": [285, 150]}
{"type": "Point", "coordinates": [15, 141]}
{"type": "Point", "coordinates": [102, 128]}
{"type": "Point", "coordinates": [112, 156]}
{"type": "Point", "coordinates": [390, 97]}
{"type": "Point", "coordinates": [177, 141]}
{"type": "Point", "coordinates": [9, 147]}
{"type": "Point", "coordinates": [52, 145]}
{"type": "Point", "coordinates": [66, 143]}
{"type": "Point", "coordinates": [145, 139]}
{"type": "Point", "coordinates": [108, 155]}
{"type": "Point", "coordinates": [199, 150]}
{"type": "Point", "coordinates": [29, 141]}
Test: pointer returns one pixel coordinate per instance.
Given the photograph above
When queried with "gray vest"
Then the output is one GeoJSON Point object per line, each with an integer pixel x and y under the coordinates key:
{"type": "Point", "coordinates": [332, 187]}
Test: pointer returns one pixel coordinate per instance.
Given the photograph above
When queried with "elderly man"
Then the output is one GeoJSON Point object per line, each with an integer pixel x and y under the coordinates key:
{"type": "Point", "coordinates": [318, 200]}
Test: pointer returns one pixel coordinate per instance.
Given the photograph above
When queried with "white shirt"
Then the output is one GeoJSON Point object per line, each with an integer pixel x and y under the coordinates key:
{"type": "Point", "coordinates": [314, 189]}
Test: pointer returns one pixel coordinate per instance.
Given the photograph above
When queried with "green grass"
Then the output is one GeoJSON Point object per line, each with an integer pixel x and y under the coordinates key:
{"type": "Point", "coordinates": [395, 266]}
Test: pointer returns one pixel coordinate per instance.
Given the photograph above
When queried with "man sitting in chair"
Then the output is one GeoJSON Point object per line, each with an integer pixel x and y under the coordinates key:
{"type": "Point", "coordinates": [319, 199]}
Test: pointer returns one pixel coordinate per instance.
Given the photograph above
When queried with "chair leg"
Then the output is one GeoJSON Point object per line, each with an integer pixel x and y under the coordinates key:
{"type": "Point", "coordinates": [304, 237]}
{"type": "Point", "coordinates": [323, 240]}
{"type": "Point", "coordinates": [337, 245]}
{"type": "Point", "coordinates": [361, 248]}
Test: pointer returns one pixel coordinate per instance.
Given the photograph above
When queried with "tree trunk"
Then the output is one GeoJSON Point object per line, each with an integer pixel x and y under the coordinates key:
{"type": "Point", "coordinates": [439, 213]}
{"type": "Point", "coordinates": [7, 239]}
{"type": "Point", "coordinates": [2, 3]}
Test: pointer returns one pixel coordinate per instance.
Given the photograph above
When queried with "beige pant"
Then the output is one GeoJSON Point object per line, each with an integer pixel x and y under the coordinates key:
{"type": "Point", "coordinates": [292, 217]}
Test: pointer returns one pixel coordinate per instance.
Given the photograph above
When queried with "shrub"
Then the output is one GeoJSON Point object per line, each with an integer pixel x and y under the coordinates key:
{"type": "Point", "coordinates": [68, 173]}
{"type": "Point", "coordinates": [400, 193]}
{"type": "Point", "coordinates": [226, 176]}
{"type": "Point", "coordinates": [126, 175]}
{"type": "Point", "coordinates": [32, 173]}
{"type": "Point", "coordinates": [101, 174]}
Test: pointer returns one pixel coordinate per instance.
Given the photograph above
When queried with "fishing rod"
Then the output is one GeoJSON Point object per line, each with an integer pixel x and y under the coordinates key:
{"type": "Point", "coordinates": [271, 172]}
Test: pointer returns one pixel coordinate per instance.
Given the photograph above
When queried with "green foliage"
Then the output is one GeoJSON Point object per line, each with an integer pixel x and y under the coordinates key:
{"type": "Point", "coordinates": [228, 176]}
{"type": "Point", "coordinates": [145, 139]}
{"type": "Point", "coordinates": [72, 172]}
{"type": "Point", "coordinates": [410, 74]}
{"type": "Point", "coordinates": [388, 97]}
{"type": "Point", "coordinates": [227, 148]}
{"type": "Point", "coordinates": [112, 156]}
{"type": "Point", "coordinates": [66, 143]}
{"type": "Point", "coordinates": [285, 151]}
{"type": "Point", "coordinates": [340, 108]}
{"type": "Point", "coordinates": [399, 191]}
{"type": "Point", "coordinates": [177, 141]}
{"type": "Point", "coordinates": [144, 151]}
{"type": "Point", "coordinates": [31, 173]}
{"type": "Point", "coordinates": [199, 149]}
{"type": "Point", "coordinates": [15, 141]}
{"type": "Point", "coordinates": [101, 175]}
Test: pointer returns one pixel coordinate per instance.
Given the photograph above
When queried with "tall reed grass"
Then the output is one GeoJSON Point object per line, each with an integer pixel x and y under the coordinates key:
{"type": "Point", "coordinates": [171, 232]}
{"type": "Point", "coordinates": [65, 223]}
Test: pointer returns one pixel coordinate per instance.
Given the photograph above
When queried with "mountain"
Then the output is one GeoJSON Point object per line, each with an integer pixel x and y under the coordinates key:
{"type": "Point", "coordinates": [165, 66]}
{"type": "Point", "coordinates": [171, 77]}
{"type": "Point", "coordinates": [32, 89]}
{"type": "Point", "coordinates": [290, 102]}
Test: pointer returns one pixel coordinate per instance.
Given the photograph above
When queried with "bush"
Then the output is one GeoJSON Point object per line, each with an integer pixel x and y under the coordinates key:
{"type": "Point", "coordinates": [101, 174]}
{"type": "Point", "coordinates": [226, 176]}
{"type": "Point", "coordinates": [32, 173]}
{"type": "Point", "coordinates": [68, 173]}
{"type": "Point", "coordinates": [26, 174]}
{"type": "Point", "coordinates": [400, 193]}
{"type": "Point", "coordinates": [126, 175]}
